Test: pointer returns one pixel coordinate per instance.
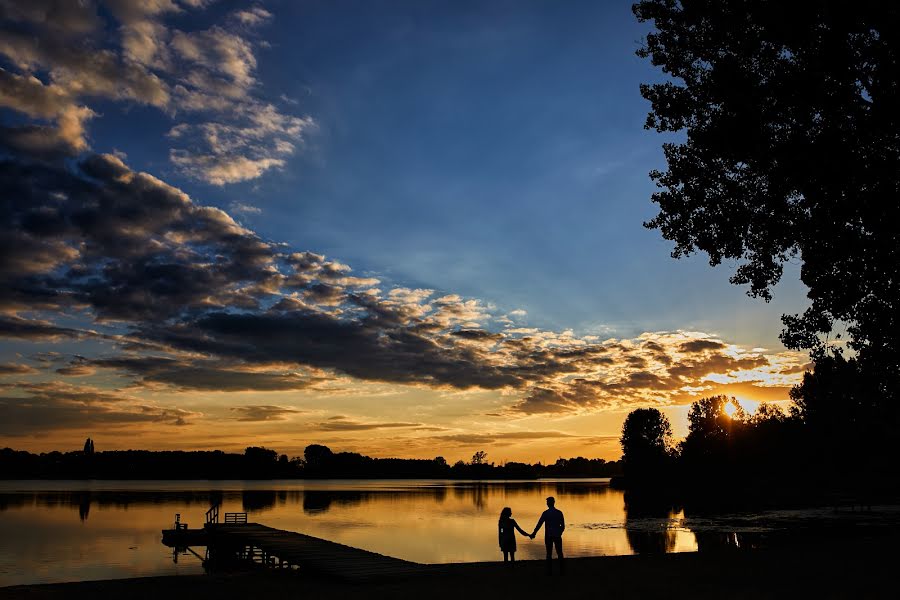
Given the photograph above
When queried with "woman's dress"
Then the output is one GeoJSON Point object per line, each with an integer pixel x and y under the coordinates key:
{"type": "Point", "coordinates": [507, 529]}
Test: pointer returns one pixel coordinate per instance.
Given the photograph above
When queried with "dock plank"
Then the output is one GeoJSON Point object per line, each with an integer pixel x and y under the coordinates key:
{"type": "Point", "coordinates": [313, 554]}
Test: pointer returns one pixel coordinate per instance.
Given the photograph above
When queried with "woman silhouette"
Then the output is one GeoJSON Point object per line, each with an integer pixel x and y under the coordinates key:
{"type": "Point", "coordinates": [507, 527]}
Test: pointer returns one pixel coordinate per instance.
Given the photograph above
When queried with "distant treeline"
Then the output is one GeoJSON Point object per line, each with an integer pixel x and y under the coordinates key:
{"type": "Point", "coordinates": [318, 462]}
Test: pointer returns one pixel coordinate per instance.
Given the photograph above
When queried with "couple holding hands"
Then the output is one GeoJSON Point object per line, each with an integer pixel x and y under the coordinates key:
{"type": "Point", "coordinates": [553, 522]}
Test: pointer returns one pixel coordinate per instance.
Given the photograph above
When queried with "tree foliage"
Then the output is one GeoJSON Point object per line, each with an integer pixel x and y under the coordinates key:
{"type": "Point", "coordinates": [479, 458]}
{"type": "Point", "coordinates": [791, 150]}
{"type": "Point", "coordinates": [646, 443]}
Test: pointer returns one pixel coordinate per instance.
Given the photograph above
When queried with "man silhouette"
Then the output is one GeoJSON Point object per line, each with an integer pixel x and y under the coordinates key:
{"type": "Point", "coordinates": [554, 524]}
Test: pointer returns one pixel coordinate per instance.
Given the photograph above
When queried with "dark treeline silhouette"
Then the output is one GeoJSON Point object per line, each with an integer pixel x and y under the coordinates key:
{"type": "Point", "coordinates": [788, 150]}
{"type": "Point", "coordinates": [833, 440]}
{"type": "Point", "coordinates": [317, 462]}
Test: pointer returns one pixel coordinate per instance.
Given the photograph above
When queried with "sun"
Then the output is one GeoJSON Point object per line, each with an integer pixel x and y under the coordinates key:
{"type": "Point", "coordinates": [729, 409]}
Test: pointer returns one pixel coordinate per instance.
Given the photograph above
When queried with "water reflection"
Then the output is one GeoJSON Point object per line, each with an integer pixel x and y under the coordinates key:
{"type": "Point", "coordinates": [650, 521]}
{"type": "Point", "coordinates": [84, 506]}
{"type": "Point", "coordinates": [318, 502]}
{"type": "Point", "coordinates": [58, 531]}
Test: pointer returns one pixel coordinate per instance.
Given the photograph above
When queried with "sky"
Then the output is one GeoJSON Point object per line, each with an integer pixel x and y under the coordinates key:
{"type": "Point", "coordinates": [396, 228]}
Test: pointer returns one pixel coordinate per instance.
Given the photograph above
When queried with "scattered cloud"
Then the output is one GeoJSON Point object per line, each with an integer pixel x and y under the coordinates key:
{"type": "Point", "coordinates": [497, 438]}
{"type": "Point", "coordinates": [342, 423]}
{"type": "Point", "coordinates": [16, 369]}
{"type": "Point", "coordinates": [253, 16]}
{"type": "Point", "coordinates": [47, 407]}
{"type": "Point", "coordinates": [76, 370]}
{"type": "Point", "coordinates": [201, 78]}
{"type": "Point", "coordinates": [188, 374]}
{"type": "Point", "coordinates": [263, 412]}
{"type": "Point", "coordinates": [244, 209]}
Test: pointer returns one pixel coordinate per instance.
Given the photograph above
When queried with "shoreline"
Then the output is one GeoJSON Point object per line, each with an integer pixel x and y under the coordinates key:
{"type": "Point", "coordinates": [861, 567]}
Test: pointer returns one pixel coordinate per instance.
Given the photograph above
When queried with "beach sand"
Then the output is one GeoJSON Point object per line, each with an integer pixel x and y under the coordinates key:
{"type": "Point", "coordinates": [864, 568]}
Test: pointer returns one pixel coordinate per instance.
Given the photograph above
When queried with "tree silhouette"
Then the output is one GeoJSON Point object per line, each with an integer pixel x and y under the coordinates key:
{"type": "Point", "coordinates": [317, 456]}
{"type": "Point", "coordinates": [792, 151]}
{"type": "Point", "coordinates": [646, 444]}
{"type": "Point", "coordinates": [708, 418]}
{"type": "Point", "coordinates": [716, 444]}
{"type": "Point", "coordinates": [841, 399]}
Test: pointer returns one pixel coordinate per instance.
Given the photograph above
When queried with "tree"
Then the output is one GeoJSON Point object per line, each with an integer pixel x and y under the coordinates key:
{"type": "Point", "coordinates": [709, 418]}
{"type": "Point", "coordinates": [479, 458]}
{"type": "Point", "coordinates": [317, 456]}
{"type": "Point", "coordinates": [646, 443]}
{"type": "Point", "coordinates": [792, 152]}
{"type": "Point", "coordinates": [717, 443]}
{"type": "Point", "coordinates": [260, 455]}
{"type": "Point", "coordinates": [767, 414]}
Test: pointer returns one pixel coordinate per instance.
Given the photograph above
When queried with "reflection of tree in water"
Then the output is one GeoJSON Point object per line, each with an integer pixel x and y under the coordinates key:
{"type": "Point", "coordinates": [438, 494]}
{"type": "Point", "coordinates": [716, 541]}
{"type": "Point", "coordinates": [319, 501]}
{"type": "Point", "coordinates": [712, 541]}
{"type": "Point", "coordinates": [257, 500]}
{"type": "Point", "coordinates": [476, 493]}
{"type": "Point", "coordinates": [260, 500]}
{"type": "Point", "coordinates": [12, 501]}
{"type": "Point", "coordinates": [84, 506]}
{"type": "Point", "coordinates": [480, 494]}
{"type": "Point", "coordinates": [82, 500]}
{"type": "Point", "coordinates": [647, 516]}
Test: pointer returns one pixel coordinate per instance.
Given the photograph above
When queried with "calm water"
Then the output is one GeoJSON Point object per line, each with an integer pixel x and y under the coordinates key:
{"type": "Point", "coordinates": [65, 531]}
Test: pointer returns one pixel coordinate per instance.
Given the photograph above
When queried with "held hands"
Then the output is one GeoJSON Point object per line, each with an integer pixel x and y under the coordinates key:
{"type": "Point", "coordinates": [531, 536]}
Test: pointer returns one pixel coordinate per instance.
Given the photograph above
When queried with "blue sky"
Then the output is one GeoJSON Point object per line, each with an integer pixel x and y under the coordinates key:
{"type": "Point", "coordinates": [493, 151]}
{"type": "Point", "coordinates": [496, 152]}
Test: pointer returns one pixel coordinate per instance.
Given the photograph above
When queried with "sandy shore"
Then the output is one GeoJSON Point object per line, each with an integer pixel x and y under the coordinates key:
{"type": "Point", "coordinates": [862, 568]}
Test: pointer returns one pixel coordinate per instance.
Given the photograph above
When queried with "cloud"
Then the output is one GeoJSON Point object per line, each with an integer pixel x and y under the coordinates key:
{"type": "Point", "coordinates": [60, 16]}
{"type": "Point", "coordinates": [47, 407]}
{"type": "Point", "coordinates": [232, 136]}
{"type": "Point", "coordinates": [257, 138]}
{"type": "Point", "coordinates": [263, 412]}
{"type": "Point", "coordinates": [16, 369]}
{"type": "Point", "coordinates": [252, 16]}
{"type": "Point", "coordinates": [132, 246]}
{"type": "Point", "coordinates": [212, 306]}
{"type": "Point", "coordinates": [498, 438]}
{"type": "Point", "coordinates": [32, 329]}
{"type": "Point", "coordinates": [222, 169]}
{"type": "Point", "coordinates": [341, 423]}
{"type": "Point", "coordinates": [218, 51]}
{"type": "Point", "coordinates": [40, 417]}
{"type": "Point", "coordinates": [76, 370]}
{"type": "Point", "coordinates": [701, 345]}
{"type": "Point", "coordinates": [206, 375]}
{"type": "Point", "coordinates": [245, 209]}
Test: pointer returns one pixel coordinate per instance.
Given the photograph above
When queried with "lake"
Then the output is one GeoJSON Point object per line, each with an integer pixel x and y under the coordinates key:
{"type": "Point", "coordinates": [52, 531]}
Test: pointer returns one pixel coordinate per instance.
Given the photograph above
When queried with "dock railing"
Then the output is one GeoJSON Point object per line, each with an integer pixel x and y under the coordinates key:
{"type": "Point", "coordinates": [231, 518]}
{"type": "Point", "coordinates": [212, 515]}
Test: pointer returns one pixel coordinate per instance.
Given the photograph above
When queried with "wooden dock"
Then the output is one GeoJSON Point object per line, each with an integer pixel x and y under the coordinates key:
{"type": "Point", "coordinates": [277, 548]}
